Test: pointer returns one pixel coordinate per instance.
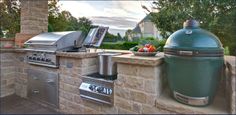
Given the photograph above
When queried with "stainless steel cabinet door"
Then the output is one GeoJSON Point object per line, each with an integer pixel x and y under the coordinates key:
{"type": "Point", "coordinates": [34, 84]}
{"type": "Point", "coordinates": [43, 85]}
{"type": "Point", "coordinates": [50, 89]}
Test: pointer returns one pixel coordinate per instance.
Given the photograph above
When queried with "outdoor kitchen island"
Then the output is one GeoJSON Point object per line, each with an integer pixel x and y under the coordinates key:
{"type": "Point", "coordinates": [139, 88]}
{"type": "Point", "coordinates": [135, 89]}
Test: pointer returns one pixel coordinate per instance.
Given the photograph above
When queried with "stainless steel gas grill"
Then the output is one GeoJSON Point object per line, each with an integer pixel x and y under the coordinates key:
{"type": "Point", "coordinates": [43, 83]}
{"type": "Point", "coordinates": [42, 48]}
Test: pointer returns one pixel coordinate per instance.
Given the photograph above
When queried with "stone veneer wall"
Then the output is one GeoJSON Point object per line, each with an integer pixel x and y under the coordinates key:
{"type": "Point", "coordinates": [7, 74]}
{"type": "Point", "coordinates": [71, 70]}
{"type": "Point", "coordinates": [137, 88]}
{"type": "Point", "coordinates": [21, 75]}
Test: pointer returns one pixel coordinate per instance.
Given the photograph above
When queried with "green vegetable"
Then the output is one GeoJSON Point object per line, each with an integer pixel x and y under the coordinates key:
{"type": "Point", "coordinates": [136, 48]}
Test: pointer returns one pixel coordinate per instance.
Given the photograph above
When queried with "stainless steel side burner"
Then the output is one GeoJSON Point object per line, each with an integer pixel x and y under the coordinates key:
{"type": "Point", "coordinates": [98, 89]}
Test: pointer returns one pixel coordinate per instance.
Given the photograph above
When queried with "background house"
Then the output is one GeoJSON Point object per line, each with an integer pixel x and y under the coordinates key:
{"type": "Point", "coordinates": [145, 28]}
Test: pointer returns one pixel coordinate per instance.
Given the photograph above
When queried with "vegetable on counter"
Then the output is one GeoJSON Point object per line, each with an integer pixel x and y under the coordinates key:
{"type": "Point", "coordinates": [145, 48]}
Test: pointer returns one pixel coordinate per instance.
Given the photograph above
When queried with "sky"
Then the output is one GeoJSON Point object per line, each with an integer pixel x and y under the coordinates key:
{"type": "Point", "coordinates": [118, 15]}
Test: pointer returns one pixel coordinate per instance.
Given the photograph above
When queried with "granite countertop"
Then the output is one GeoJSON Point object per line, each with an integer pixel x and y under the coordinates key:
{"type": "Point", "coordinates": [77, 54]}
{"type": "Point", "coordinates": [8, 50]}
{"type": "Point", "coordinates": [92, 53]}
{"type": "Point", "coordinates": [20, 50]}
{"type": "Point", "coordinates": [140, 60]}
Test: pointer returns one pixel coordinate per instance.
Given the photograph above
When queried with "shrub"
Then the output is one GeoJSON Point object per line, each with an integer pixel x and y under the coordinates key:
{"type": "Point", "coordinates": [128, 45]}
{"type": "Point", "coordinates": [162, 44]}
{"type": "Point", "coordinates": [118, 45]}
{"type": "Point", "coordinates": [226, 51]}
{"type": "Point", "coordinates": [121, 45]}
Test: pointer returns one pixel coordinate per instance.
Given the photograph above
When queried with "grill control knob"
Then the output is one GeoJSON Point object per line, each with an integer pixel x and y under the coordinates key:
{"type": "Point", "coordinates": [42, 59]}
{"type": "Point", "coordinates": [48, 60]}
{"type": "Point", "coordinates": [92, 87]}
{"type": "Point", "coordinates": [30, 58]}
{"type": "Point", "coordinates": [34, 58]}
{"type": "Point", "coordinates": [100, 89]}
{"type": "Point", "coordinates": [38, 59]}
{"type": "Point", "coordinates": [109, 92]}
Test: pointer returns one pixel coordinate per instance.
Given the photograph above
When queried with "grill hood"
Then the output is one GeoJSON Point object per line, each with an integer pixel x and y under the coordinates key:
{"type": "Point", "coordinates": [55, 40]}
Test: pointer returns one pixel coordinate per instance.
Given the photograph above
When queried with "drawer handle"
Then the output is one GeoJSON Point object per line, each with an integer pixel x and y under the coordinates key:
{"type": "Point", "coordinates": [50, 81]}
{"type": "Point", "coordinates": [186, 52]}
{"type": "Point", "coordinates": [36, 91]}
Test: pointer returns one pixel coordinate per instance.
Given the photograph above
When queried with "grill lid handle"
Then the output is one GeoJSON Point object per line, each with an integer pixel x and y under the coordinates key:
{"type": "Point", "coordinates": [191, 23]}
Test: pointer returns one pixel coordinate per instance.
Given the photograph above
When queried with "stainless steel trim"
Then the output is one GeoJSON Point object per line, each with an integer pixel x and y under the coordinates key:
{"type": "Point", "coordinates": [38, 50]}
{"type": "Point", "coordinates": [37, 43]}
{"type": "Point", "coordinates": [95, 99]}
{"type": "Point", "coordinates": [197, 101]}
{"type": "Point", "coordinates": [42, 64]}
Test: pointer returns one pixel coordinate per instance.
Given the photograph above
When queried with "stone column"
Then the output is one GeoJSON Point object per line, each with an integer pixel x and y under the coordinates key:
{"type": "Point", "coordinates": [230, 75]}
{"type": "Point", "coordinates": [139, 83]}
{"type": "Point", "coordinates": [34, 19]}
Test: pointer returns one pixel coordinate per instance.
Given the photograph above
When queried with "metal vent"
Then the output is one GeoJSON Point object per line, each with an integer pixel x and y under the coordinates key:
{"type": "Point", "coordinates": [197, 101]}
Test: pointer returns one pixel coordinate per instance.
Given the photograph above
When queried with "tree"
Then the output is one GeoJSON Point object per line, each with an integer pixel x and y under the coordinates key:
{"type": "Point", "coordinates": [110, 37]}
{"type": "Point", "coordinates": [58, 20]}
{"type": "Point", "coordinates": [10, 16]}
{"type": "Point", "coordinates": [119, 37]}
{"type": "Point", "coordinates": [64, 21]}
{"type": "Point", "coordinates": [84, 24]}
{"type": "Point", "coordinates": [217, 16]}
{"type": "Point", "coordinates": [129, 35]}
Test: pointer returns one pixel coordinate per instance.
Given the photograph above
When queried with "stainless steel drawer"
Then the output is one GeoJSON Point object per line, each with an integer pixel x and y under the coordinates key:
{"type": "Point", "coordinates": [43, 86]}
